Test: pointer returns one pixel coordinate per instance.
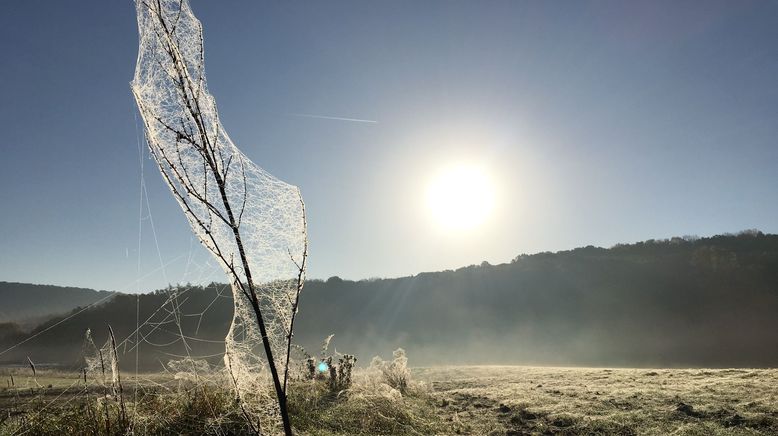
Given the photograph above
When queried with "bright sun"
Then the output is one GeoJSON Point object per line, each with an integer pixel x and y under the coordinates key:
{"type": "Point", "coordinates": [460, 197]}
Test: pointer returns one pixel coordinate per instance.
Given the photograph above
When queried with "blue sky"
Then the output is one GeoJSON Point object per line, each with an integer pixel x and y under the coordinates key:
{"type": "Point", "coordinates": [599, 122]}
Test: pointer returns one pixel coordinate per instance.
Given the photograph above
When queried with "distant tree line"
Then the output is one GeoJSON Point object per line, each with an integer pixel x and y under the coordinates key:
{"type": "Point", "coordinates": [677, 302]}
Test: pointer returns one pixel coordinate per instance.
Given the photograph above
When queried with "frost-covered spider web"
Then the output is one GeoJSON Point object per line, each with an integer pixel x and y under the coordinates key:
{"type": "Point", "coordinates": [252, 223]}
{"type": "Point", "coordinates": [100, 361]}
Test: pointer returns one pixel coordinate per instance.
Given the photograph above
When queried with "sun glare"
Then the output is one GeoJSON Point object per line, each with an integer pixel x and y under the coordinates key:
{"type": "Point", "coordinates": [460, 197]}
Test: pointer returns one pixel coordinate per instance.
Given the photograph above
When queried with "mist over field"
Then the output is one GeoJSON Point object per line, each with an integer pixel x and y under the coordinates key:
{"type": "Point", "coordinates": [694, 302]}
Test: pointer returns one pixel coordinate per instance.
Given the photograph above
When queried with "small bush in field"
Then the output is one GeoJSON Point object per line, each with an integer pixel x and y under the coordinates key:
{"type": "Point", "coordinates": [395, 373]}
{"type": "Point", "coordinates": [310, 368]}
{"type": "Point", "coordinates": [340, 374]}
{"type": "Point", "coordinates": [337, 375]}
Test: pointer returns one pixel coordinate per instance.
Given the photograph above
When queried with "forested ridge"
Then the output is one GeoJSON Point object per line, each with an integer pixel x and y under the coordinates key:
{"type": "Point", "coordinates": [678, 302]}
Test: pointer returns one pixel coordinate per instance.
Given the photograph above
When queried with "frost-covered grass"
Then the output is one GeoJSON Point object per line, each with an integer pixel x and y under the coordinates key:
{"type": "Point", "coordinates": [162, 405]}
{"type": "Point", "coordinates": [440, 400]}
{"type": "Point", "coordinates": [583, 401]}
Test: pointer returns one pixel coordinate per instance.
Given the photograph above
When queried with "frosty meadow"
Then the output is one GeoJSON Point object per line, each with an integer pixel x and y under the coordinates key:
{"type": "Point", "coordinates": [439, 145]}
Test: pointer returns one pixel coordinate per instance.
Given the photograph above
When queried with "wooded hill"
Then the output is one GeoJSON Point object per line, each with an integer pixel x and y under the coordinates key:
{"type": "Point", "coordinates": [710, 302]}
{"type": "Point", "coordinates": [25, 303]}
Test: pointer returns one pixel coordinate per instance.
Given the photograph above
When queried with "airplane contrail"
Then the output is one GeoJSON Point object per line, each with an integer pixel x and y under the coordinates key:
{"type": "Point", "coordinates": [325, 117]}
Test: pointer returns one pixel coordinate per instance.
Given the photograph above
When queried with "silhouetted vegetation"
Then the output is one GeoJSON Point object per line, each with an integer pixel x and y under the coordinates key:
{"type": "Point", "coordinates": [23, 303]}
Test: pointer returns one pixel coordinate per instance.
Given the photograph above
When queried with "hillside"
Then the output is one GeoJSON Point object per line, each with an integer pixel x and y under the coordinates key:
{"type": "Point", "coordinates": [26, 303]}
{"type": "Point", "coordinates": [682, 302]}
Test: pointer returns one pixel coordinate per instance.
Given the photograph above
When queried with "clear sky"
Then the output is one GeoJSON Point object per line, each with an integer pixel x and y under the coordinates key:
{"type": "Point", "coordinates": [597, 123]}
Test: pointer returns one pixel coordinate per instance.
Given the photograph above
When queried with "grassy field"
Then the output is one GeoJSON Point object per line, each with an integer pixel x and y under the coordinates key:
{"type": "Point", "coordinates": [525, 400]}
{"type": "Point", "coordinates": [482, 400]}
